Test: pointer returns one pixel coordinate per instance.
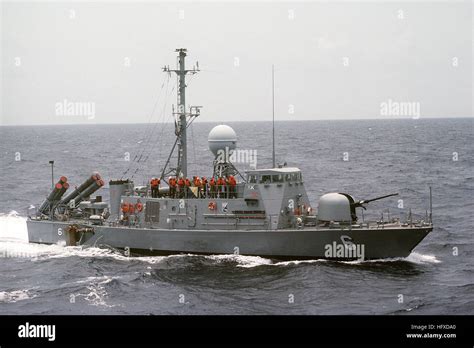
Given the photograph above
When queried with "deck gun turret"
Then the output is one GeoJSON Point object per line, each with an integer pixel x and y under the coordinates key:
{"type": "Point", "coordinates": [341, 207]}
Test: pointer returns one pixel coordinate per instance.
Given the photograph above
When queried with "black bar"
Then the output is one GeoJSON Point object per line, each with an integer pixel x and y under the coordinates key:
{"type": "Point", "coordinates": [243, 330]}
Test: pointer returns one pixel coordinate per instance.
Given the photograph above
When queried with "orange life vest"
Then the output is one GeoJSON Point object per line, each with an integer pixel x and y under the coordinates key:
{"type": "Point", "coordinates": [139, 206]}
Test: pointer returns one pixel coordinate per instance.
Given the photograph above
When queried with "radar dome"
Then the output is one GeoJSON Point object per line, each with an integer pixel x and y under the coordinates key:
{"type": "Point", "coordinates": [222, 137]}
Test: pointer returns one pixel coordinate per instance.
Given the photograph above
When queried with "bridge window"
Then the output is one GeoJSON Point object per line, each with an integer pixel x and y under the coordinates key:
{"type": "Point", "coordinates": [252, 179]}
{"type": "Point", "coordinates": [265, 179]}
{"type": "Point", "coordinates": [277, 178]}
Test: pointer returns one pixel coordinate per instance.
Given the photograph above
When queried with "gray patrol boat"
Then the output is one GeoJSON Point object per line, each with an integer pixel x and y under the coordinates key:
{"type": "Point", "coordinates": [266, 213]}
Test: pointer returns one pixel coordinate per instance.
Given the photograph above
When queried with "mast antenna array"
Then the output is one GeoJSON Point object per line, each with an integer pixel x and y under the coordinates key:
{"type": "Point", "coordinates": [182, 118]}
{"type": "Point", "coordinates": [273, 116]}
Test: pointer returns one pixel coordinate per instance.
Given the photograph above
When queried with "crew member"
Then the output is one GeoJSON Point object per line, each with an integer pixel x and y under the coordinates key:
{"type": "Point", "coordinates": [187, 183]}
{"type": "Point", "coordinates": [172, 183]}
{"type": "Point", "coordinates": [181, 187]}
{"type": "Point", "coordinates": [231, 183]}
{"type": "Point", "coordinates": [221, 186]}
{"type": "Point", "coordinates": [155, 187]}
{"type": "Point", "coordinates": [212, 186]}
{"type": "Point", "coordinates": [205, 192]}
{"type": "Point", "coordinates": [198, 184]}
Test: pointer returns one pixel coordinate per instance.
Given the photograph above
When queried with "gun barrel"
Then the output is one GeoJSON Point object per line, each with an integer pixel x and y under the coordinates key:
{"type": "Point", "coordinates": [381, 197]}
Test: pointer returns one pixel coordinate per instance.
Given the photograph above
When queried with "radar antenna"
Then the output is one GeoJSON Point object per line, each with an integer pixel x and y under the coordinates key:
{"type": "Point", "coordinates": [273, 116]}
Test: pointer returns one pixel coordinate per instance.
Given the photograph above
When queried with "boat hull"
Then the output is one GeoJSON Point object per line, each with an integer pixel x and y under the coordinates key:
{"type": "Point", "coordinates": [305, 243]}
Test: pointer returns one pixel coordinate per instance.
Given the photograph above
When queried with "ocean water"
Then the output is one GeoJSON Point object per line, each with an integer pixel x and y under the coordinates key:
{"type": "Point", "coordinates": [383, 156]}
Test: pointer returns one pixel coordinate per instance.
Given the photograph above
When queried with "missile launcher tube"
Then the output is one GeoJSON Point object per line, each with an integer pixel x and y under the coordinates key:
{"type": "Point", "coordinates": [93, 178]}
{"type": "Point", "coordinates": [45, 206]}
{"type": "Point", "coordinates": [61, 192]}
{"type": "Point", "coordinates": [58, 190]}
{"type": "Point", "coordinates": [88, 191]}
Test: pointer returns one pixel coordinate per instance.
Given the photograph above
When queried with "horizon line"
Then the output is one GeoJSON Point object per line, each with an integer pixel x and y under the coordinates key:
{"type": "Point", "coordinates": [253, 121]}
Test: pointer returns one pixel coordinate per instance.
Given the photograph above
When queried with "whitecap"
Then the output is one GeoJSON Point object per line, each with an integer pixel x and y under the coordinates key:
{"type": "Point", "coordinates": [241, 260]}
{"type": "Point", "coordinates": [299, 262]}
{"type": "Point", "coordinates": [97, 294]}
{"type": "Point", "coordinates": [13, 227]}
{"type": "Point", "coordinates": [15, 296]}
{"type": "Point", "coordinates": [421, 258]}
{"type": "Point", "coordinates": [413, 258]}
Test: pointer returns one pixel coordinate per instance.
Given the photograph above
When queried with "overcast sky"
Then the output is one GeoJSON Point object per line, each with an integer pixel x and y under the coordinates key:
{"type": "Point", "coordinates": [332, 60]}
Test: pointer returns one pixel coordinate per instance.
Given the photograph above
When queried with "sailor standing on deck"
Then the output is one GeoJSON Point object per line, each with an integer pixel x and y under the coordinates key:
{"type": "Point", "coordinates": [198, 184]}
{"type": "Point", "coordinates": [172, 183]}
{"type": "Point", "coordinates": [181, 187]}
{"type": "Point", "coordinates": [231, 183]}
{"type": "Point", "coordinates": [187, 183]}
{"type": "Point", "coordinates": [155, 187]}
{"type": "Point", "coordinates": [212, 184]}
{"type": "Point", "coordinates": [205, 192]}
{"type": "Point", "coordinates": [221, 187]}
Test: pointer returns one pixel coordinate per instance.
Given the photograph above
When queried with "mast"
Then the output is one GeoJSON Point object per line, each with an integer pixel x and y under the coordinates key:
{"type": "Point", "coordinates": [273, 115]}
{"type": "Point", "coordinates": [181, 122]}
{"type": "Point", "coordinates": [182, 144]}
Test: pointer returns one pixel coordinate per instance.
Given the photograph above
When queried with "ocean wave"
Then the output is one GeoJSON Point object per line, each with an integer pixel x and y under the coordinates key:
{"type": "Point", "coordinates": [15, 296]}
{"type": "Point", "coordinates": [241, 260]}
{"type": "Point", "coordinates": [13, 227]}
{"type": "Point", "coordinates": [300, 262]}
{"type": "Point", "coordinates": [255, 261]}
{"type": "Point", "coordinates": [415, 304]}
{"type": "Point", "coordinates": [101, 280]}
{"type": "Point", "coordinates": [422, 259]}
{"type": "Point", "coordinates": [39, 252]}
{"type": "Point", "coordinates": [412, 258]}
{"type": "Point", "coordinates": [97, 294]}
